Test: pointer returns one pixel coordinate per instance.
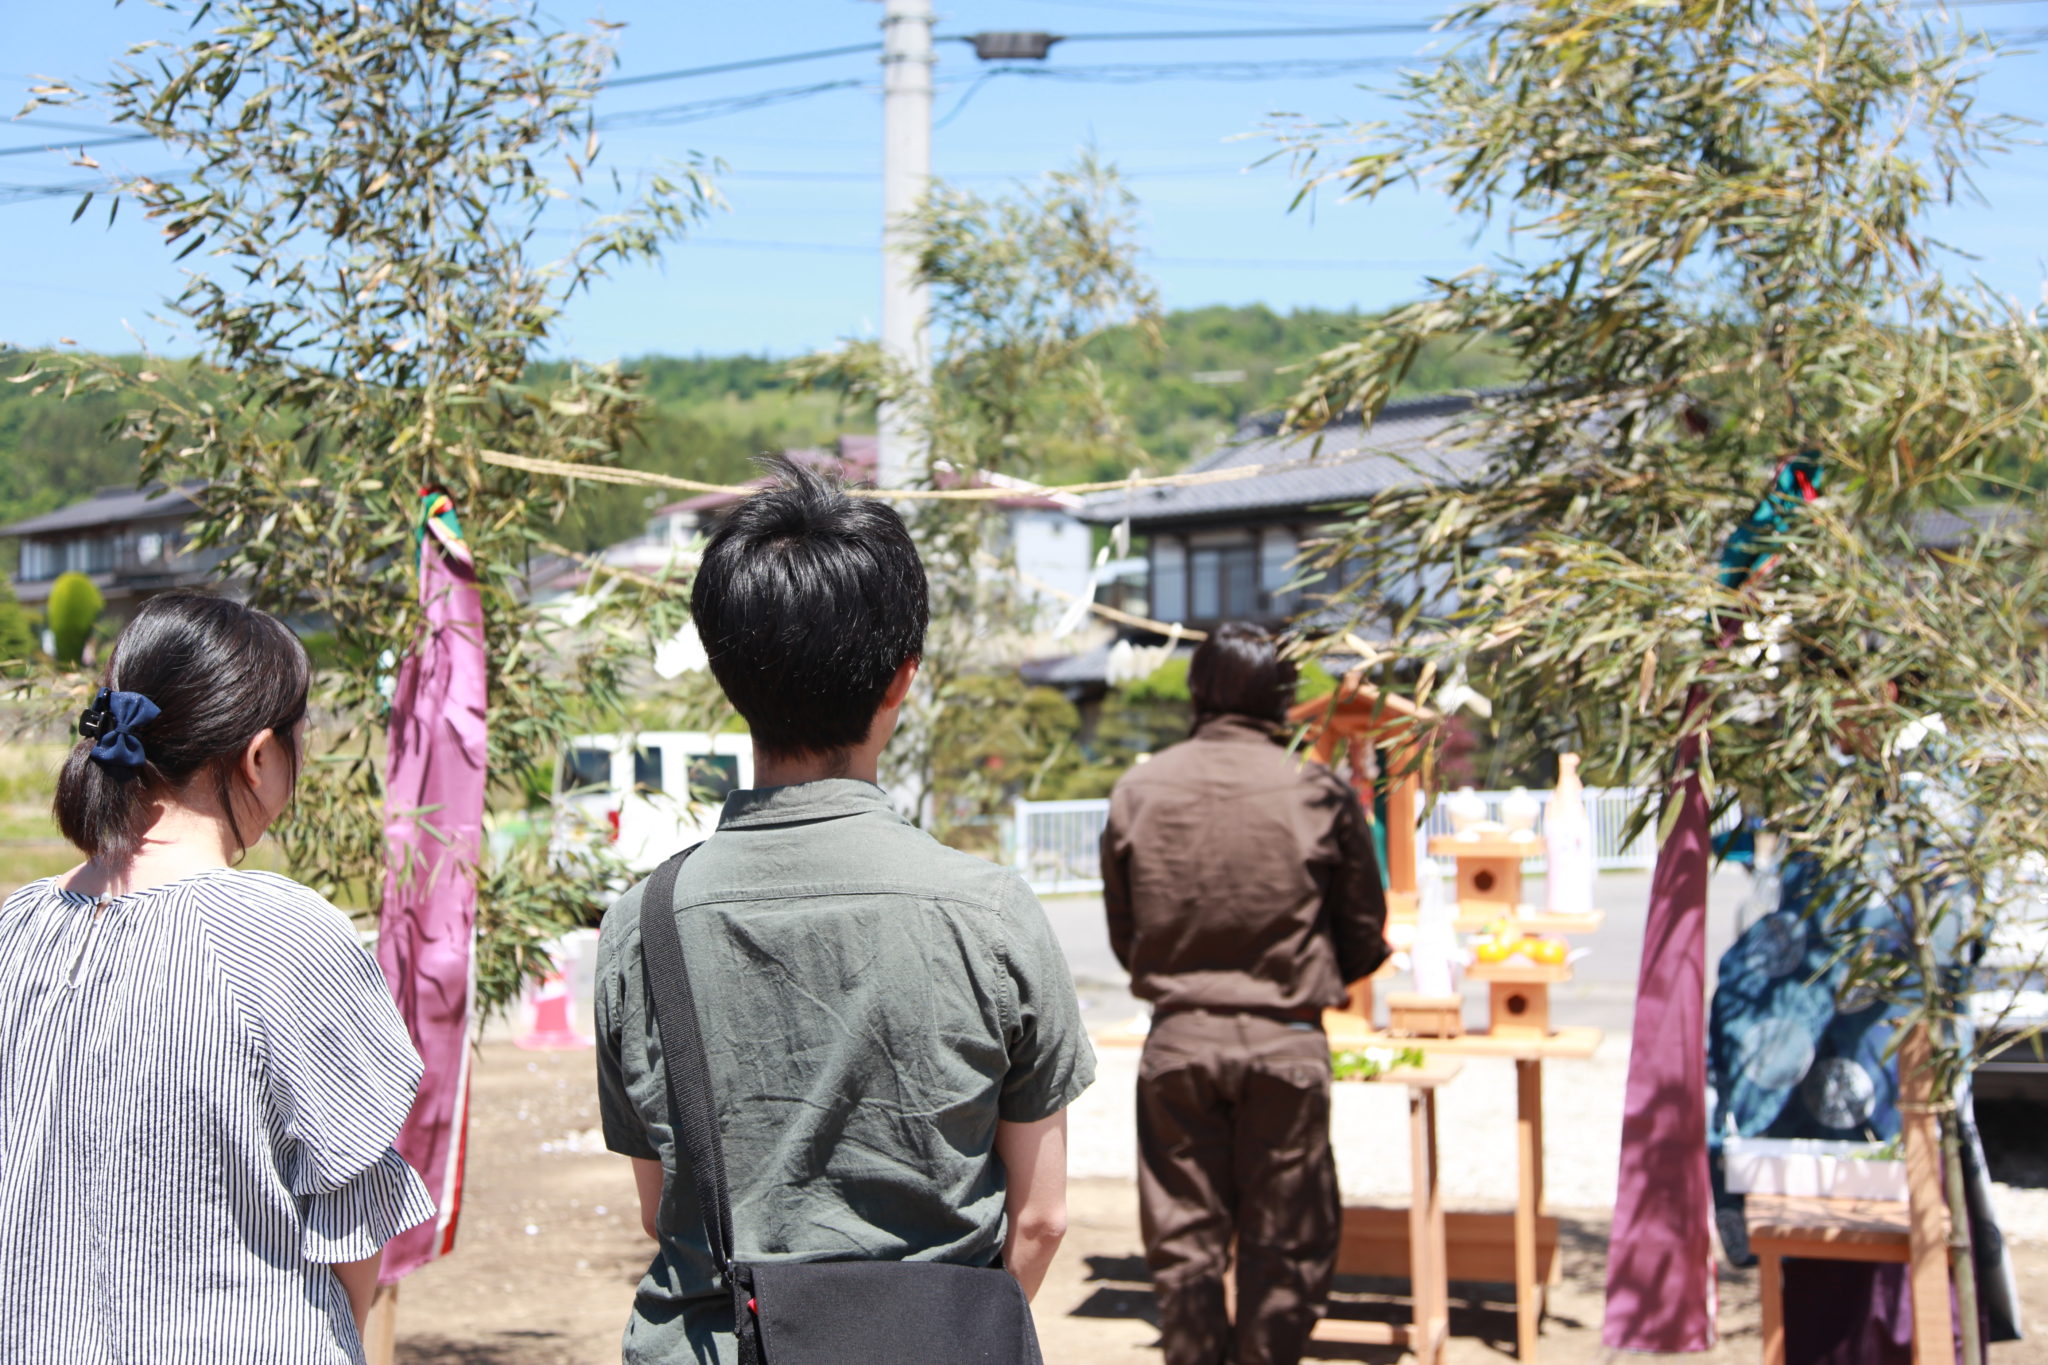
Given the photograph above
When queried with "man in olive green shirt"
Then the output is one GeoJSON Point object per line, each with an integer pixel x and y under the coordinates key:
{"type": "Point", "coordinates": [892, 1031]}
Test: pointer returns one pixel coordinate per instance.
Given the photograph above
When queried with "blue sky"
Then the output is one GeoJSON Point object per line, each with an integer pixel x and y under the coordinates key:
{"type": "Point", "coordinates": [793, 263]}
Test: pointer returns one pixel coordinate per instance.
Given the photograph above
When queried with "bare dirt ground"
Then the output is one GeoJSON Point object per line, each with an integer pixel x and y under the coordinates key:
{"type": "Point", "coordinates": [550, 1248]}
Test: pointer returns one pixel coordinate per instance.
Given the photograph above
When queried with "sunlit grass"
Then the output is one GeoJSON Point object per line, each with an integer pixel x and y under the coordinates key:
{"type": "Point", "coordinates": [27, 824]}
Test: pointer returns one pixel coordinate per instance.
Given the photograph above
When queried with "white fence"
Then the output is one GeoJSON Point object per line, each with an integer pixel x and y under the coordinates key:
{"type": "Point", "coordinates": [1608, 808]}
{"type": "Point", "coordinates": [1057, 842]}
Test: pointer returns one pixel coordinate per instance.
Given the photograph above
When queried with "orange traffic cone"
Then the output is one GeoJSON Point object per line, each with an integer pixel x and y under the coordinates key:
{"type": "Point", "coordinates": [552, 1030]}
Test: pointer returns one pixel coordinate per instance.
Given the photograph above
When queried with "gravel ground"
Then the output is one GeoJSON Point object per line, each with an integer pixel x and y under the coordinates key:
{"type": "Point", "coordinates": [550, 1245]}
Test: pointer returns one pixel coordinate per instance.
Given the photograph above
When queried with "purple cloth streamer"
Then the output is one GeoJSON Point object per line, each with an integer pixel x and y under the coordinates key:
{"type": "Point", "coordinates": [434, 805]}
{"type": "Point", "coordinates": [1660, 1254]}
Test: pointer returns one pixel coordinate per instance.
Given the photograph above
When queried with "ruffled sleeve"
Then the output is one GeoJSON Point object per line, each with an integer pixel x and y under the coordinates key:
{"type": "Point", "coordinates": [340, 1072]}
{"type": "Point", "coordinates": [352, 1222]}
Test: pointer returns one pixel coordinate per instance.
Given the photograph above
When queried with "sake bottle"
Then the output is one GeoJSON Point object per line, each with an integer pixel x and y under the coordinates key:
{"type": "Point", "coordinates": [1433, 955]}
{"type": "Point", "coordinates": [1568, 839]}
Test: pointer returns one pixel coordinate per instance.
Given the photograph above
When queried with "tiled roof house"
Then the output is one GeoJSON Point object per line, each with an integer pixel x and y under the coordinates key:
{"type": "Point", "coordinates": [130, 542]}
{"type": "Point", "coordinates": [1225, 551]}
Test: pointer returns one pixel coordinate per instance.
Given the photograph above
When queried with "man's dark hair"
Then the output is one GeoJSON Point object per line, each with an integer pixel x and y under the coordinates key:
{"type": "Point", "coordinates": [1239, 671]}
{"type": "Point", "coordinates": [808, 601]}
{"type": "Point", "coordinates": [220, 674]}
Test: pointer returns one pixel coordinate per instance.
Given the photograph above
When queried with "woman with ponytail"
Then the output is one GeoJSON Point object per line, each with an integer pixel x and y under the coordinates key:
{"type": "Point", "coordinates": [201, 1071]}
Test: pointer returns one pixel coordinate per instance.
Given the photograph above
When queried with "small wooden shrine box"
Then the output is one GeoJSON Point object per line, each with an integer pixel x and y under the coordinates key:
{"type": "Point", "coordinates": [1489, 871]}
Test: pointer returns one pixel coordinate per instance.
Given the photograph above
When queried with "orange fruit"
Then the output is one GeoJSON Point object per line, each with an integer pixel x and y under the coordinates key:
{"type": "Point", "coordinates": [1550, 951]}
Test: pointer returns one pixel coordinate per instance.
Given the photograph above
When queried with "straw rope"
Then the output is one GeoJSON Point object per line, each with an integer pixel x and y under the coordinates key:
{"type": "Point", "coordinates": [597, 565]}
{"type": "Point", "coordinates": [642, 478]}
{"type": "Point", "coordinates": [1103, 610]}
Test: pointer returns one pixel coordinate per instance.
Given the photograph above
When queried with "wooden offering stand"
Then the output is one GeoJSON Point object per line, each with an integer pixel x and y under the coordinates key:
{"type": "Point", "coordinates": [1359, 718]}
{"type": "Point", "coordinates": [1422, 1252]}
{"type": "Point", "coordinates": [1915, 1233]}
{"type": "Point", "coordinates": [1518, 1248]}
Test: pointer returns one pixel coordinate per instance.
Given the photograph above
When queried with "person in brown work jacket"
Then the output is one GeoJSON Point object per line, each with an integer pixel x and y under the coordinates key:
{"type": "Point", "coordinates": [1242, 895]}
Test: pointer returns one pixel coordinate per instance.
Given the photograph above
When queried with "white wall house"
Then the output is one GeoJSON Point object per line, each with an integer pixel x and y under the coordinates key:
{"type": "Point", "coordinates": [1049, 543]}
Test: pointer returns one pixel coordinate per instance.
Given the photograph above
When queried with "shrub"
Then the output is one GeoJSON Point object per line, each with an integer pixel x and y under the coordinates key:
{"type": "Point", "coordinates": [74, 608]}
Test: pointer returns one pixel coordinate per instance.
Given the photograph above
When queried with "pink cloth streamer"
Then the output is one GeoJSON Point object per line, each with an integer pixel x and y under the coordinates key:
{"type": "Point", "coordinates": [1660, 1254]}
{"type": "Point", "coordinates": [434, 806]}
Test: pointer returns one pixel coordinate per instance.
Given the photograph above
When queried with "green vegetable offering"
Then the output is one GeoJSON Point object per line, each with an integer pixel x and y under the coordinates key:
{"type": "Point", "coordinates": [1367, 1063]}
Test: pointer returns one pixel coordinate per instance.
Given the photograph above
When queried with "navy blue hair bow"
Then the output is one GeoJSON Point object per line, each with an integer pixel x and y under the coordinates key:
{"type": "Point", "coordinates": [111, 722]}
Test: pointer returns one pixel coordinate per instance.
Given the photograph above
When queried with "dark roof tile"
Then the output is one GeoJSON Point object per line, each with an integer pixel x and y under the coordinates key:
{"type": "Point", "coordinates": [1410, 441]}
{"type": "Point", "coordinates": [110, 507]}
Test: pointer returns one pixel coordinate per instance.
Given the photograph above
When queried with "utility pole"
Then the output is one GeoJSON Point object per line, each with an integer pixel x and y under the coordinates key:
{"type": "Point", "coordinates": [906, 173]}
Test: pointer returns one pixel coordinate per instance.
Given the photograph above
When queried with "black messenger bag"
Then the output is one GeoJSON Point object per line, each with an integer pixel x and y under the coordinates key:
{"type": "Point", "coordinates": [814, 1312]}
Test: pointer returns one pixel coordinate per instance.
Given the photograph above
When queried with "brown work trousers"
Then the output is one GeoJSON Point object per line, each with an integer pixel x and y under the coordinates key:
{"type": "Point", "coordinates": [1234, 1142]}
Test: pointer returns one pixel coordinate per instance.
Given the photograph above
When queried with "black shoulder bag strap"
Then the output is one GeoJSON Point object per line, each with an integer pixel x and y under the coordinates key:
{"type": "Point", "coordinates": [692, 1109]}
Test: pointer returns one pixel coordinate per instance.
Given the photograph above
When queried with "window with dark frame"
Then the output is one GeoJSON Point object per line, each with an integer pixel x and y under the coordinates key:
{"type": "Point", "coordinates": [585, 769]}
{"type": "Point", "coordinates": [713, 777]}
{"type": "Point", "coordinates": [647, 770]}
{"type": "Point", "coordinates": [1223, 583]}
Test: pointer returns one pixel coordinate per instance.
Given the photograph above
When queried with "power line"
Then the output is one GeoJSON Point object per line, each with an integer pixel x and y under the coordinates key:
{"type": "Point", "coordinates": [695, 111]}
{"type": "Point", "coordinates": [61, 127]}
{"type": "Point", "coordinates": [21, 149]}
{"type": "Point", "coordinates": [870, 176]}
{"type": "Point", "coordinates": [1309, 263]}
{"type": "Point", "coordinates": [1241, 11]}
{"type": "Point", "coordinates": [20, 194]}
{"type": "Point", "coordinates": [1138, 72]}
{"type": "Point", "coordinates": [1170, 35]}
{"type": "Point", "coordinates": [854, 49]}
{"type": "Point", "coordinates": [750, 64]}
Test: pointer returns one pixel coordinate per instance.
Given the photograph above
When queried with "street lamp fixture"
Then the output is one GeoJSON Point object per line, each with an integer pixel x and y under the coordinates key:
{"type": "Point", "coordinates": [1012, 47]}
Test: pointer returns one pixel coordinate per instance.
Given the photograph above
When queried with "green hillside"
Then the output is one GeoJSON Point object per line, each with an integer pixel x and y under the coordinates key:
{"type": "Point", "coordinates": [1216, 366]}
{"type": "Point", "coordinates": [54, 452]}
{"type": "Point", "coordinates": [710, 415]}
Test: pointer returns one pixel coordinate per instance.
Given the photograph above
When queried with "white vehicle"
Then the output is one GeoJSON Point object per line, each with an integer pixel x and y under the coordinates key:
{"type": "Point", "coordinates": [650, 794]}
{"type": "Point", "coordinates": [2012, 1000]}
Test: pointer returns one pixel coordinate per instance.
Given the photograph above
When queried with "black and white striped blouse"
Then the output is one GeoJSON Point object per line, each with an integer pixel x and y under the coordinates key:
{"type": "Point", "coordinates": [199, 1088]}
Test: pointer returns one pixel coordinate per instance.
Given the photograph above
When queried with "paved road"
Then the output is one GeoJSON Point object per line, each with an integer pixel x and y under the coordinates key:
{"type": "Point", "coordinates": [1601, 993]}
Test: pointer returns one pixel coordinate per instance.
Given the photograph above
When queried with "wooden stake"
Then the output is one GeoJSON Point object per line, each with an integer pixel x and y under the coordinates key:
{"type": "Point", "coordinates": [1529, 1286]}
{"type": "Point", "coordinates": [380, 1328]}
{"type": "Point", "coordinates": [1933, 1338]}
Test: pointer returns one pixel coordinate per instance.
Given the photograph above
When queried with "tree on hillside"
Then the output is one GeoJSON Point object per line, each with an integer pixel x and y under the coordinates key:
{"type": "Point", "coordinates": [52, 454]}
{"type": "Point", "coordinates": [1207, 369]}
{"type": "Point", "coordinates": [361, 220]}
{"type": "Point", "coordinates": [1021, 285]}
{"type": "Point", "coordinates": [1725, 262]}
